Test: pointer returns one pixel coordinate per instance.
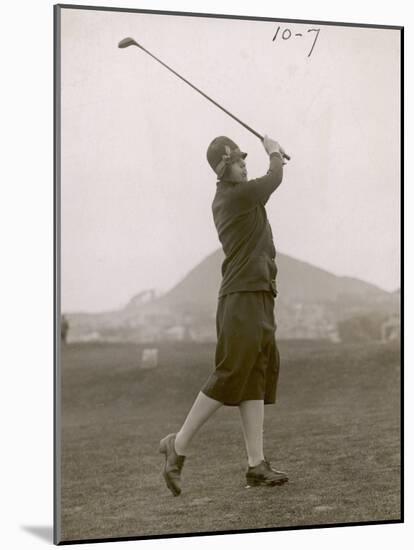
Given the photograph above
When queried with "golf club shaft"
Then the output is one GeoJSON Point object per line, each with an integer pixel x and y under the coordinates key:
{"type": "Point", "coordinates": [205, 95]}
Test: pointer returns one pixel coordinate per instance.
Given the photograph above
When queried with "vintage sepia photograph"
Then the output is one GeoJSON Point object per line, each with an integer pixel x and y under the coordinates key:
{"type": "Point", "coordinates": [228, 202]}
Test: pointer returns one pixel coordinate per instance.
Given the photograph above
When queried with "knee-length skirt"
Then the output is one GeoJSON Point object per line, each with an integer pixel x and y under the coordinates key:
{"type": "Point", "coordinates": [247, 358]}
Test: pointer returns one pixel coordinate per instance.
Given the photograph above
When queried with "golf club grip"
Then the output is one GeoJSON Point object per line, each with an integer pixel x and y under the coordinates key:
{"type": "Point", "coordinates": [284, 155]}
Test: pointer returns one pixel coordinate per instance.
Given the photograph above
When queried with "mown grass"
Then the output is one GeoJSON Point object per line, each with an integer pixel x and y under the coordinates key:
{"type": "Point", "coordinates": [335, 429]}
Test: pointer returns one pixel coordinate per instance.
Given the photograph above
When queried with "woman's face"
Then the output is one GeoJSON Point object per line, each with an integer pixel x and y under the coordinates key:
{"type": "Point", "coordinates": [238, 171]}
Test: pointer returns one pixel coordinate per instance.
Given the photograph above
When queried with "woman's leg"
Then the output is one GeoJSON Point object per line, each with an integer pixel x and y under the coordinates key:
{"type": "Point", "coordinates": [203, 407]}
{"type": "Point", "coordinates": [252, 418]}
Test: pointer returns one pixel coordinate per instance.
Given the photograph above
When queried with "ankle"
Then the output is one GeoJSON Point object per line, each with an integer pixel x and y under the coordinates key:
{"type": "Point", "coordinates": [254, 463]}
{"type": "Point", "coordinates": [180, 449]}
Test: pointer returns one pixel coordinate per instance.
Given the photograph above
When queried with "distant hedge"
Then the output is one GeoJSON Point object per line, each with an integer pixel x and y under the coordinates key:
{"type": "Point", "coordinates": [362, 327]}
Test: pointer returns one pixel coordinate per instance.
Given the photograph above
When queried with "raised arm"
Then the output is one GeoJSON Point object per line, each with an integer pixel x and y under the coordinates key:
{"type": "Point", "coordinates": [260, 189]}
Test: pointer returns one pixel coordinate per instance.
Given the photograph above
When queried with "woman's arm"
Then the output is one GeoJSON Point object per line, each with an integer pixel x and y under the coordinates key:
{"type": "Point", "coordinates": [259, 190]}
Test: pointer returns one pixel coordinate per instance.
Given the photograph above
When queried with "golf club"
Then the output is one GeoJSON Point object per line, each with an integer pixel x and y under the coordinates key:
{"type": "Point", "coordinates": [131, 42]}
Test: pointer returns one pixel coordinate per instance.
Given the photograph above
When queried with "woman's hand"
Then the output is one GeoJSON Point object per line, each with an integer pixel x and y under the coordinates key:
{"type": "Point", "coordinates": [272, 146]}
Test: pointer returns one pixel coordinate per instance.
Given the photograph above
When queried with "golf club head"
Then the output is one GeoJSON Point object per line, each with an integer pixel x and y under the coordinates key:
{"type": "Point", "coordinates": [127, 42]}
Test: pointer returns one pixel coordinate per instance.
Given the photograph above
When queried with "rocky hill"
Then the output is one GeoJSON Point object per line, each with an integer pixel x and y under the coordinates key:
{"type": "Point", "coordinates": [311, 303]}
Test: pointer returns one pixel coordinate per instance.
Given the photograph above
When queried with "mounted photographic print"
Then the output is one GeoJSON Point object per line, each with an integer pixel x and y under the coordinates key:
{"type": "Point", "coordinates": [228, 200]}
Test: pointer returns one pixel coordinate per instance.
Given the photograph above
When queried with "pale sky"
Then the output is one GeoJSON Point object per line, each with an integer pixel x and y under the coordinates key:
{"type": "Point", "coordinates": [136, 189]}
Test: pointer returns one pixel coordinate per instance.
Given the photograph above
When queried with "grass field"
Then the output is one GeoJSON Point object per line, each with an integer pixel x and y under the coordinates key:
{"type": "Point", "coordinates": [335, 430]}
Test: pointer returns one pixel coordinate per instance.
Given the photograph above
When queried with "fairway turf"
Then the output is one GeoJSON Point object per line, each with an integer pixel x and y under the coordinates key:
{"type": "Point", "coordinates": [335, 430]}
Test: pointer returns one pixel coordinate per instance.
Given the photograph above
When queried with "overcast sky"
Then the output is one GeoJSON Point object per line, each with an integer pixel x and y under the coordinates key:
{"type": "Point", "coordinates": [136, 189]}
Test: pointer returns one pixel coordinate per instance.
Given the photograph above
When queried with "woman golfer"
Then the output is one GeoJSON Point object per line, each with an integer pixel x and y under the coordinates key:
{"type": "Point", "coordinates": [247, 359]}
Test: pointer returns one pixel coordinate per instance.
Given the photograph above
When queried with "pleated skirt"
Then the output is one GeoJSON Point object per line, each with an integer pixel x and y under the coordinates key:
{"type": "Point", "coordinates": [247, 359]}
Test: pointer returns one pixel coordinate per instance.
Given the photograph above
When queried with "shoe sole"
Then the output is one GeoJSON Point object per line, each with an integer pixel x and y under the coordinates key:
{"type": "Point", "coordinates": [170, 485]}
{"type": "Point", "coordinates": [264, 482]}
